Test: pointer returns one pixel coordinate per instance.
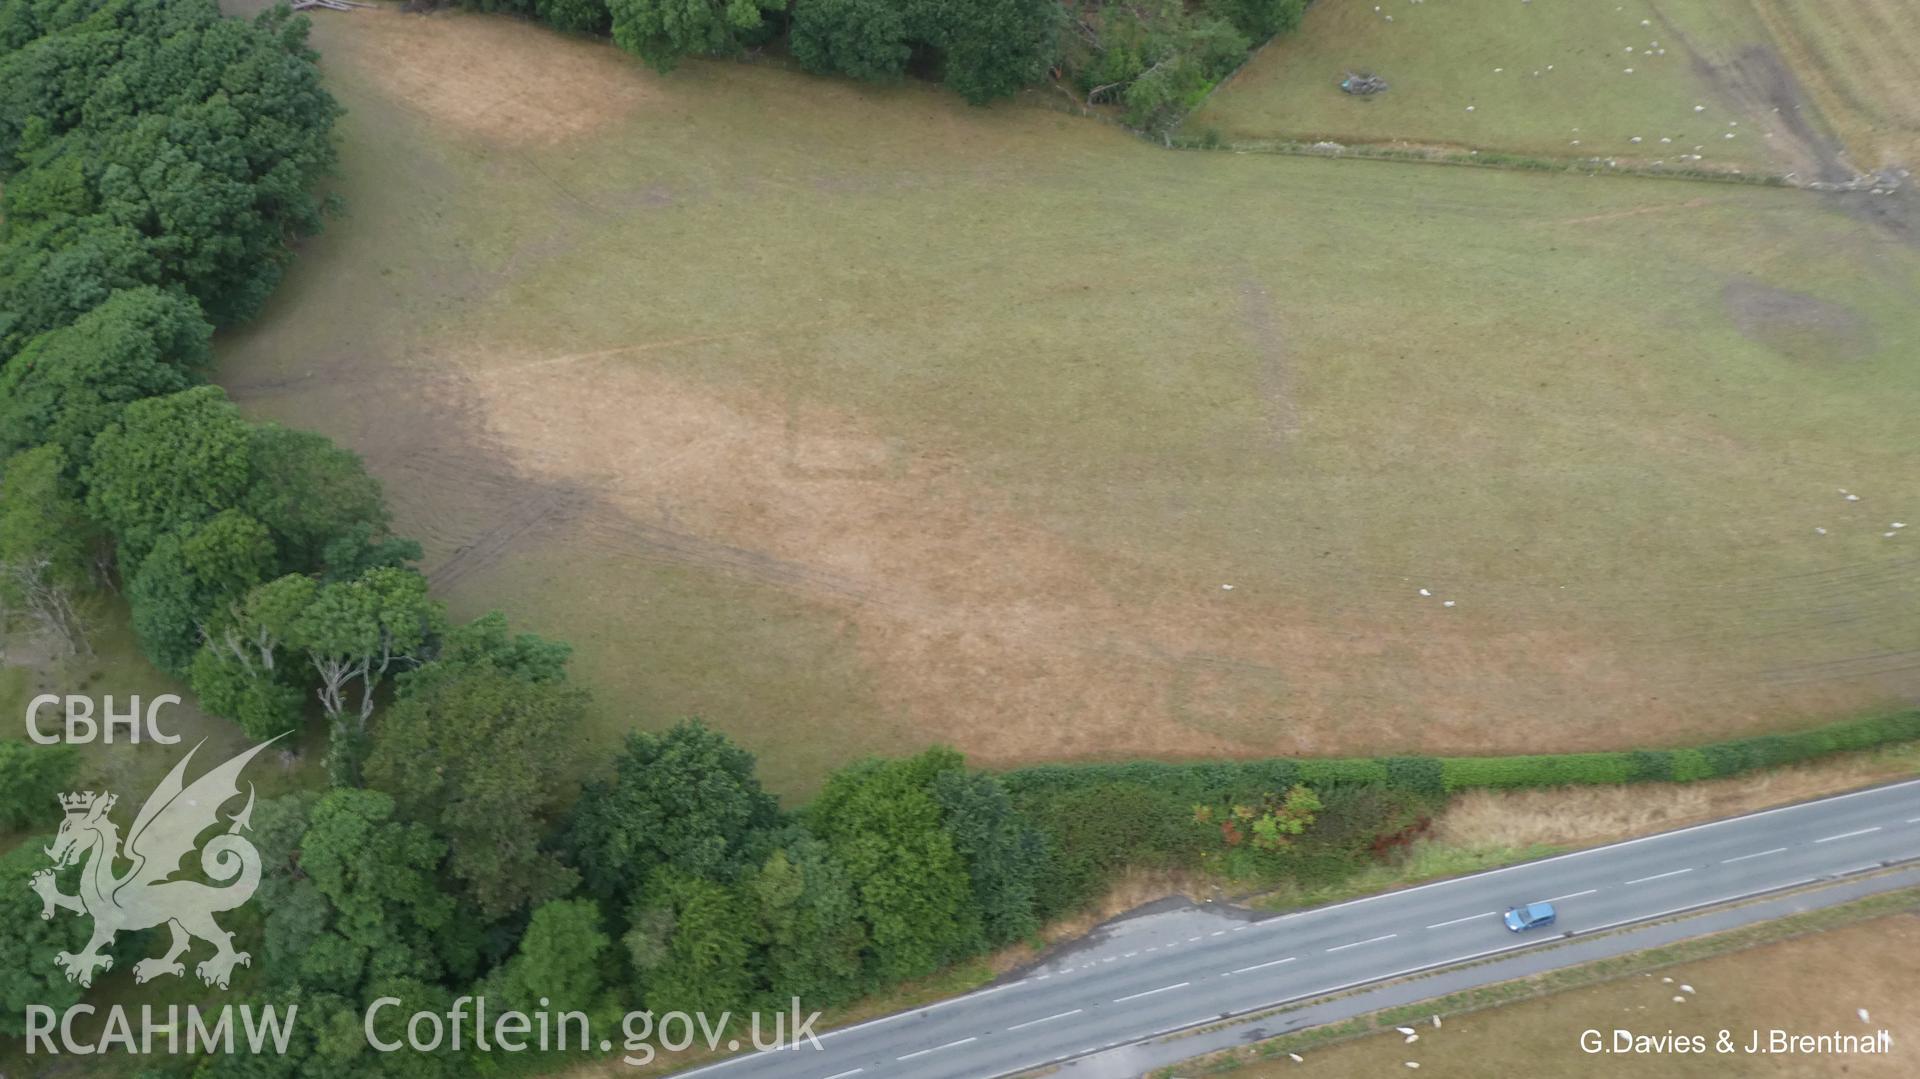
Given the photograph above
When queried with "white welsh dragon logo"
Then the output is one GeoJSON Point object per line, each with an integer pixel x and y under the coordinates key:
{"type": "Point", "coordinates": [166, 830]}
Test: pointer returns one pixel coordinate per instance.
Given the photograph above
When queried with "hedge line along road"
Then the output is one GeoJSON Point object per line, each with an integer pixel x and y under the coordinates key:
{"type": "Point", "coordinates": [1249, 966]}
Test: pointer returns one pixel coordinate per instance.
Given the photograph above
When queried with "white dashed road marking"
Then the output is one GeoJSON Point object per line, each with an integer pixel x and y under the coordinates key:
{"type": "Point", "coordinates": [1048, 1019]}
{"type": "Point", "coordinates": [1572, 895]}
{"type": "Point", "coordinates": [1263, 966]}
{"type": "Point", "coordinates": [1357, 943]}
{"type": "Point", "coordinates": [1661, 876]}
{"type": "Point", "coordinates": [1150, 992]}
{"type": "Point", "coordinates": [936, 1049]}
{"type": "Point", "coordinates": [1848, 835]}
{"type": "Point", "coordinates": [1756, 854]}
{"type": "Point", "coordinates": [1468, 918]}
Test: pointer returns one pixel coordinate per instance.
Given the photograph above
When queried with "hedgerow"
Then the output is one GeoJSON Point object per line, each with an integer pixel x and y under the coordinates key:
{"type": "Point", "coordinates": [1103, 818]}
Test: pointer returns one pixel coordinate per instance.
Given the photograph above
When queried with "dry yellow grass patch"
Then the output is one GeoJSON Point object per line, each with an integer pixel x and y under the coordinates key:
{"type": "Point", "coordinates": [495, 78]}
{"type": "Point", "coordinates": [1577, 816]}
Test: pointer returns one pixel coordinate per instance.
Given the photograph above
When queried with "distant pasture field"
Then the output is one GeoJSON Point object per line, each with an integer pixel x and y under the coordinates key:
{"type": "Point", "coordinates": [1860, 62]}
{"type": "Point", "coordinates": [1685, 83]}
{"type": "Point", "coordinates": [853, 419]}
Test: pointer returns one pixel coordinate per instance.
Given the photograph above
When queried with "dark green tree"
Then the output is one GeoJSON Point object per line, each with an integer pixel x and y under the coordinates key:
{"type": "Point", "coordinates": [370, 906]}
{"type": "Point", "coordinates": [28, 942]}
{"type": "Point", "coordinates": [693, 944]}
{"type": "Point", "coordinates": [576, 16]}
{"type": "Point", "coordinates": [167, 463]}
{"type": "Point", "coordinates": [662, 31]}
{"type": "Point", "coordinates": [482, 759]}
{"type": "Point", "coordinates": [31, 779]}
{"type": "Point", "coordinates": [310, 493]}
{"type": "Point", "coordinates": [881, 820]}
{"type": "Point", "coordinates": [996, 47]}
{"type": "Point", "coordinates": [203, 135]}
{"type": "Point", "coordinates": [566, 957]}
{"type": "Point", "coordinates": [1260, 19]}
{"type": "Point", "coordinates": [22, 21]}
{"type": "Point", "coordinates": [484, 644]}
{"type": "Point", "coordinates": [67, 385]}
{"type": "Point", "coordinates": [864, 39]}
{"type": "Point", "coordinates": [54, 271]}
{"type": "Point", "coordinates": [810, 920]}
{"type": "Point", "coordinates": [1004, 854]}
{"type": "Point", "coordinates": [363, 548]}
{"type": "Point", "coordinates": [190, 575]}
{"type": "Point", "coordinates": [686, 798]}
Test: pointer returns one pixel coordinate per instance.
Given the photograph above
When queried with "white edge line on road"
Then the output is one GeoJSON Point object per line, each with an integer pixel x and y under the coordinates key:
{"type": "Point", "coordinates": [937, 1048]}
{"type": "Point", "coordinates": [1263, 966]}
{"type": "Point", "coordinates": [1184, 1025]}
{"type": "Point", "coordinates": [1048, 1019]}
{"type": "Point", "coordinates": [1357, 943]}
{"type": "Point", "coordinates": [1848, 835]}
{"type": "Point", "coordinates": [1594, 850]}
{"type": "Point", "coordinates": [1570, 895]}
{"type": "Point", "coordinates": [975, 995]}
{"type": "Point", "coordinates": [1660, 876]}
{"type": "Point", "coordinates": [1468, 918]}
{"type": "Point", "coordinates": [1150, 992]}
{"type": "Point", "coordinates": [1913, 820]}
{"type": "Point", "coordinates": [1756, 854]}
{"type": "Point", "coordinates": [1704, 904]}
{"type": "Point", "coordinates": [720, 1064]}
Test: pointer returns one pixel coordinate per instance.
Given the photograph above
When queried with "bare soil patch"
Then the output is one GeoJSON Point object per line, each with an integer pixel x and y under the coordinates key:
{"type": "Point", "coordinates": [1796, 325]}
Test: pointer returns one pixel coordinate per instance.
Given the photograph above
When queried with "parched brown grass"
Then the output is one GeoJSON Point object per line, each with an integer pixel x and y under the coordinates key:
{"type": "Point", "coordinates": [488, 77]}
{"type": "Point", "coordinates": [1581, 816]}
{"type": "Point", "coordinates": [854, 419]}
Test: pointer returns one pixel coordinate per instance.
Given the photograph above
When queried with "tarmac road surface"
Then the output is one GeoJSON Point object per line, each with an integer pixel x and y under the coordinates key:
{"type": "Point", "coordinates": [1246, 966]}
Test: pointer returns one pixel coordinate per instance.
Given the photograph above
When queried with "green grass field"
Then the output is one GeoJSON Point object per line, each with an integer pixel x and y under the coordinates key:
{"type": "Point", "coordinates": [853, 419]}
{"type": "Point", "coordinates": [1544, 78]}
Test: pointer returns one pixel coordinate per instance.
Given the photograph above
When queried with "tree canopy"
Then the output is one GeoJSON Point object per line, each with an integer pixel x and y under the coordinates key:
{"type": "Point", "coordinates": [159, 143]}
{"type": "Point", "coordinates": [662, 31]}
{"type": "Point", "coordinates": [166, 463]}
{"type": "Point", "coordinates": [46, 542]}
{"type": "Point", "coordinates": [685, 798]}
{"type": "Point", "coordinates": [881, 819]}
{"type": "Point", "coordinates": [65, 386]}
{"type": "Point", "coordinates": [482, 759]}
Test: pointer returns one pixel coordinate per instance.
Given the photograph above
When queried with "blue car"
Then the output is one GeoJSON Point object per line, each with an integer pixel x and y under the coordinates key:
{"type": "Point", "coordinates": [1531, 916]}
